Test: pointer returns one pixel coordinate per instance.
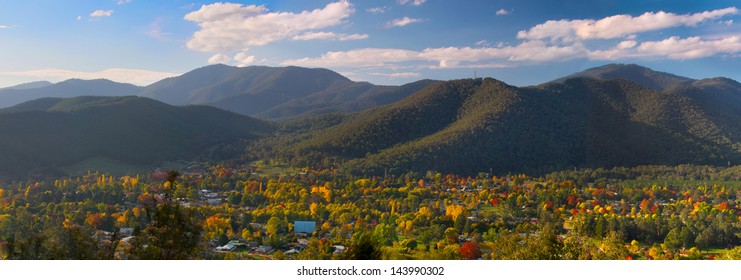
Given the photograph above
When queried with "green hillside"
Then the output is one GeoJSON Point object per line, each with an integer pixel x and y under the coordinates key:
{"type": "Point", "coordinates": [43, 135]}
{"type": "Point", "coordinates": [478, 125]}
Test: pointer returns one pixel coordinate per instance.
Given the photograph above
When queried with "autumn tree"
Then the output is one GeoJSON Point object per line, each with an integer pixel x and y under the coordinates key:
{"type": "Point", "coordinates": [470, 251]}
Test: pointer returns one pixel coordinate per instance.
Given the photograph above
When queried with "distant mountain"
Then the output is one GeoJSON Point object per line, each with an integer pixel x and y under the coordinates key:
{"type": "Point", "coordinates": [46, 135]}
{"type": "Point", "coordinates": [66, 89]}
{"type": "Point", "coordinates": [30, 85]}
{"type": "Point", "coordinates": [275, 92]}
{"type": "Point", "coordinates": [477, 125]}
{"type": "Point", "coordinates": [632, 72]}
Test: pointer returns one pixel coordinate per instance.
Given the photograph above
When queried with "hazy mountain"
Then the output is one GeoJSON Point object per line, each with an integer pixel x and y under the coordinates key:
{"type": "Point", "coordinates": [45, 135]}
{"type": "Point", "coordinates": [30, 85]}
{"type": "Point", "coordinates": [275, 92]}
{"type": "Point", "coordinates": [65, 89]}
{"type": "Point", "coordinates": [632, 72]}
{"type": "Point", "coordinates": [467, 126]}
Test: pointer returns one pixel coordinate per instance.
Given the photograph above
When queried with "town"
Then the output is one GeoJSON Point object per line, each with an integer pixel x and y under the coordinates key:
{"type": "Point", "coordinates": [255, 212]}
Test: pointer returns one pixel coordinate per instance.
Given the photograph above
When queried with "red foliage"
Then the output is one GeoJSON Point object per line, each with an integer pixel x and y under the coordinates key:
{"type": "Point", "coordinates": [470, 251]}
{"type": "Point", "coordinates": [571, 200]}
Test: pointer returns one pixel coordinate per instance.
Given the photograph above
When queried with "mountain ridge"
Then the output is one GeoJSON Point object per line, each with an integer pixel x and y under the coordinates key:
{"type": "Point", "coordinates": [44, 135]}
{"type": "Point", "coordinates": [576, 122]}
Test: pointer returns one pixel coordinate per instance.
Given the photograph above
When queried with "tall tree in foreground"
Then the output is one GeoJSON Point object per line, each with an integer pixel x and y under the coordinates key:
{"type": "Point", "coordinates": [173, 232]}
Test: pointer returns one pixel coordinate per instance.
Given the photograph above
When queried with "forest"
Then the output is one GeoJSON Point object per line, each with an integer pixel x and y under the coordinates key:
{"type": "Point", "coordinates": [248, 211]}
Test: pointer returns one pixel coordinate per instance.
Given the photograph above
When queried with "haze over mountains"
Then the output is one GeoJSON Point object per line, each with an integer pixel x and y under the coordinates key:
{"type": "Point", "coordinates": [259, 91]}
{"type": "Point", "coordinates": [69, 88]}
{"type": "Point", "coordinates": [615, 115]}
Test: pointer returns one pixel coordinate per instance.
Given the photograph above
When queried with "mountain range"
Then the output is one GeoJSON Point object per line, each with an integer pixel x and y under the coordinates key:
{"type": "Point", "coordinates": [614, 115]}
{"type": "Point", "coordinates": [258, 91]}
{"type": "Point", "coordinates": [66, 89]}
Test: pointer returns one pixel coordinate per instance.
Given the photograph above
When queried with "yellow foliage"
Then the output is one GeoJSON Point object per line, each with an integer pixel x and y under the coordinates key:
{"type": "Point", "coordinates": [215, 226]}
{"type": "Point", "coordinates": [424, 211]}
{"type": "Point", "coordinates": [455, 210]}
{"type": "Point", "coordinates": [325, 192]}
{"type": "Point", "coordinates": [363, 182]}
{"type": "Point", "coordinates": [326, 226]}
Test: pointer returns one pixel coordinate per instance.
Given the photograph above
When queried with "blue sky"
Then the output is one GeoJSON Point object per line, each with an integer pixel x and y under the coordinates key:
{"type": "Point", "coordinates": [382, 41]}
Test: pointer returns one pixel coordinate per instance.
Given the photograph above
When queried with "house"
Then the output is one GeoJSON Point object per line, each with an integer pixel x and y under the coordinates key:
{"type": "Point", "coordinates": [233, 245]}
{"type": "Point", "coordinates": [125, 232]}
{"type": "Point", "coordinates": [339, 249]}
{"type": "Point", "coordinates": [264, 250]}
{"type": "Point", "coordinates": [306, 227]}
{"type": "Point", "coordinates": [227, 248]}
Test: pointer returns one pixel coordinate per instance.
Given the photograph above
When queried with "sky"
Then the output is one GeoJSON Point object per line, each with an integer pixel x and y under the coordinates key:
{"type": "Point", "coordinates": [389, 42]}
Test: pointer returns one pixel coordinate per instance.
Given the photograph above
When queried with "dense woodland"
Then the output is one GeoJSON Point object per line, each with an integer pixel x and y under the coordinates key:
{"type": "Point", "coordinates": [651, 212]}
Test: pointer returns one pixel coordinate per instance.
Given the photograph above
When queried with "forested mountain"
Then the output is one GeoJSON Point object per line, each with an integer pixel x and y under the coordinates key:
{"type": "Point", "coordinates": [43, 135]}
{"type": "Point", "coordinates": [467, 126]}
{"type": "Point", "coordinates": [634, 73]}
{"type": "Point", "coordinates": [275, 92]}
{"type": "Point", "coordinates": [66, 89]}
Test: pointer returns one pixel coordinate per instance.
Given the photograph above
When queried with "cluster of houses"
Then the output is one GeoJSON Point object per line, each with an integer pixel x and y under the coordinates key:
{"type": "Point", "coordinates": [301, 229]}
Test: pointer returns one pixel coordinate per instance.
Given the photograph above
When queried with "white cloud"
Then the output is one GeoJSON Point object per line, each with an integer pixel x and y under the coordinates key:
{"type": "Point", "coordinates": [672, 48]}
{"type": "Point", "coordinates": [397, 74]}
{"type": "Point", "coordinates": [228, 27]}
{"type": "Point", "coordinates": [626, 44]}
{"type": "Point", "coordinates": [79, 18]}
{"type": "Point", "coordinates": [399, 22]}
{"type": "Point", "coordinates": [559, 40]}
{"type": "Point", "coordinates": [503, 12]}
{"type": "Point", "coordinates": [412, 2]}
{"type": "Point", "coordinates": [121, 2]}
{"type": "Point", "coordinates": [219, 59]}
{"type": "Point", "coordinates": [690, 48]}
{"type": "Point", "coordinates": [369, 57]}
{"type": "Point", "coordinates": [618, 25]}
{"type": "Point", "coordinates": [531, 51]}
{"type": "Point", "coordinates": [133, 76]}
{"type": "Point", "coordinates": [6, 26]}
{"type": "Point", "coordinates": [377, 10]}
{"type": "Point", "coordinates": [102, 13]}
{"type": "Point", "coordinates": [243, 59]}
{"type": "Point", "coordinates": [483, 43]}
{"type": "Point", "coordinates": [450, 57]}
{"type": "Point", "coordinates": [329, 36]}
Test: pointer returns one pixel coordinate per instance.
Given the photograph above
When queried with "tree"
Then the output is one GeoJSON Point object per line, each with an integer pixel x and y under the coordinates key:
{"type": "Point", "coordinates": [673, 239]}
{"type": "Point", "coordinates": [173, 232]}
{"type": "Point", "coordinates": [705, 238]}
{"type": "Point", "coordinates": [363, 247]}
{"type": "Point", "coordinates": [470, 251]}
{"type": "Point", "coordinates": [384, 235]}
{"type": "Point", "coordinates": [274, 227]}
